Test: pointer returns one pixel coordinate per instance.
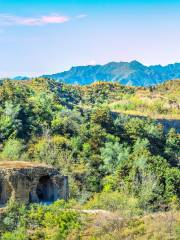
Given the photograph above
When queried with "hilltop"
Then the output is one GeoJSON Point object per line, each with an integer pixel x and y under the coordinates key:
{"type": "Point", "coordinates": [159, 102]}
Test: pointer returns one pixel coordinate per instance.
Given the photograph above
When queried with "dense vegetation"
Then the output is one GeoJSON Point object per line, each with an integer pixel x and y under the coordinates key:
{"type": "Point", "coordinates": [162, 101]}
{"type": "Point", "coordinates": [115, 162]}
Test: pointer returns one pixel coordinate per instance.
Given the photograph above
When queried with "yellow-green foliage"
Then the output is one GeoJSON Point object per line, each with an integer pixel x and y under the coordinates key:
{"type": "Point", "coordinates": [124, 165]}
{"type": "Point", "coordinates": [62, 221]}
{"type": "Point", "coordinates": [112, 227]}
{"type": "Point", "coordinates": [40, 222]}
{"type": "Point", "coordinates": [160, 101]}
{"type": "Point", "coordinates": [126, 205]}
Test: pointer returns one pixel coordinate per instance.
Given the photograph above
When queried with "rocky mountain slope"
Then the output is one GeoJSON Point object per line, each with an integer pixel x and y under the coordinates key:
{"type": "Point", "coordinates": [133, 73]}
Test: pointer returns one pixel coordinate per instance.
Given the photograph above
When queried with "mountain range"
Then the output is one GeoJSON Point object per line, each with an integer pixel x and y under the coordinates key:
{"type": "Point", "coordinates": [127, 73]}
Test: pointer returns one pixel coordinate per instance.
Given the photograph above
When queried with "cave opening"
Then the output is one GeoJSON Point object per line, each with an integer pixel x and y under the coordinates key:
{"type": "Point", "coordinates": [46, 190]}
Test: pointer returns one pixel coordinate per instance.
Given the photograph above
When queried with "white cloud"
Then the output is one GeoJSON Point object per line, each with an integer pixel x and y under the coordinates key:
{"type": "Point", "coordinates": [10, 20]}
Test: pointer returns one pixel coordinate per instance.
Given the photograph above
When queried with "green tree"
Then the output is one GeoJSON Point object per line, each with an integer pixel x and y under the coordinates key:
{"type": "Point", "coordinates": [13, 149]}
{"type": "Point", "coordinates": [172, 148]}
{"type": "Point", "coordinates": [114, 154]}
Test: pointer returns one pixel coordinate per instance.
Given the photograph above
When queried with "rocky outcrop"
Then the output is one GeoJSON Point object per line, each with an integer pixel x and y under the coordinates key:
{"type": "Point", "coordinates": [29, 182]}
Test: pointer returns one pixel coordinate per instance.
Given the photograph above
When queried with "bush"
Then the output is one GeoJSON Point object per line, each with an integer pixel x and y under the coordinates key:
{"type": "Point", "coordinates": [40, 222]}
{"type": "Point", "coordinates": [12, 150]}
{"type": "Point", "coordinates": [115, 201]}
{"type": "Point", "coordinates": [18, 234]}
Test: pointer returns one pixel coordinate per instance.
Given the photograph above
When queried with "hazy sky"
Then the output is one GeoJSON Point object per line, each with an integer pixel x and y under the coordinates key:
{"type": "Point", "coordinates": [41, 36]}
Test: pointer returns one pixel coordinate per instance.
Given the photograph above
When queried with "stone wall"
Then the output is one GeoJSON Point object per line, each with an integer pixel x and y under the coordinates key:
{"type": "Point", "coordinates": [27, 182]}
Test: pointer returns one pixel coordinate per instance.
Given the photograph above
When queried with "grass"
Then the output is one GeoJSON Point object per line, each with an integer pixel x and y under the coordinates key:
{"type": "Point", "coordinates": [146, 105]}
{"type": "Point", "coordinates": [158, 226]}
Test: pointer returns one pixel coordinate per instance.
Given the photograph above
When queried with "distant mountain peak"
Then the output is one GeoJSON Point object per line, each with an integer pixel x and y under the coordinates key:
{"type": "Point", "coordinates": [136, 63]}
{"type": "Point", "coordinates": [133, 73]}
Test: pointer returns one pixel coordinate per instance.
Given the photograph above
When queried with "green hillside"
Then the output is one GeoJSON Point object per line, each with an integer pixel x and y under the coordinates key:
{"type": "Point", "coordinates": [125, 166]}
{"type": "Point", "coordinates": [161, 101]}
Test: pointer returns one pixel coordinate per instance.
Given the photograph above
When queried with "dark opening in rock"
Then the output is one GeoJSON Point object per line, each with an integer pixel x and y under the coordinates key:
{"type": "Point", "coordinates": [45, 189]}
{"type": "Point", "coordinates": [28, 182]}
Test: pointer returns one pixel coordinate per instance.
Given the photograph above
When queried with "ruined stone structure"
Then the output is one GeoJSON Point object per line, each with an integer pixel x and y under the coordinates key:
{"type": "Point", "coordinates": [29, 183]}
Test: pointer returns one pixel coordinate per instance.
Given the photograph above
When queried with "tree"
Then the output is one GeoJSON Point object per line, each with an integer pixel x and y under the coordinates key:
{"type": "Point", "coordinates": [114, 154]}
{"type": "Point", "coordinates": [172, 147]}
{"type": "Point", "coordinates": [102, 116]}
{"type": "Point", "coordinates": [10, 123]}
{"type": "Point", "coordinates": [13, 149]}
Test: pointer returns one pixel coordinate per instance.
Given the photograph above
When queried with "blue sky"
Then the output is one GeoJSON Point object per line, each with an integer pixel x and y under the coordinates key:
{"type": "Point", "coordinates": [38, 37]}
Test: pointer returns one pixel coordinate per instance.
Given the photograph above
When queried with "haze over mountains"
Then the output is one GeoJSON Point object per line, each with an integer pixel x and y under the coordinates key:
{"type": "Point", "coordinates": [127, 73]}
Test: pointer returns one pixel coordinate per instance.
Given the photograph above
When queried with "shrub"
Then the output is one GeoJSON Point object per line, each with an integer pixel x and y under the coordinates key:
{"type": "Point", "coordinates": [114, 201]}
{"type": "Point", "coordinates": [12, 150]}
{"type": "Point", "coordinates": [18, 234]}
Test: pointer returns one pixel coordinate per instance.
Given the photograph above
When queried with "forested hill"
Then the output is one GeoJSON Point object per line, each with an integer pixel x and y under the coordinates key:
{"type": "Point", "coordinates": [115, 162]}
{"type": "Point", "coordinates": [158, 102]}
{"type": "Point", "coordinates": [127, 73]}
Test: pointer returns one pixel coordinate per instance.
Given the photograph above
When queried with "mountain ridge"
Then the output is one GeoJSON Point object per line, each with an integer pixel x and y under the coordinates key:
{"type": "Point", "coordinates": [131, 73]}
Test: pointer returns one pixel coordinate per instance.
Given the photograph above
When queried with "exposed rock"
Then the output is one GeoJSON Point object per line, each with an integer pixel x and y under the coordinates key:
{"type": "Point", "coordinates": [30, 182]}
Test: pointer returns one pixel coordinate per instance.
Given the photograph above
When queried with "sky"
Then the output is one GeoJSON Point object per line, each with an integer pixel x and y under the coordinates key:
{"type": "Point", "coordinates": [49, 36]}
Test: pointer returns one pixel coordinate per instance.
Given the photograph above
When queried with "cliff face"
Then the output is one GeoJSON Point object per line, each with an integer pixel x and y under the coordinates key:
{"type": "Point", "coordinates": [27, 182]}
